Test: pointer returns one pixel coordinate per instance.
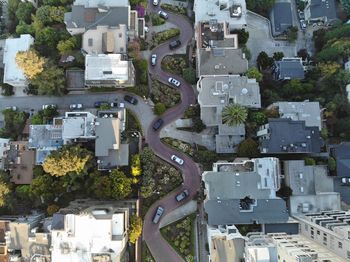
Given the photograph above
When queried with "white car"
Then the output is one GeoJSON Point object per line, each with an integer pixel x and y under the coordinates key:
{"type": "Point", "coordinates": [302, 24]}
{"type": "Point", "coordinates": [153, 59]}
{"type": "Point", "coordinates": [345, 180]}
{"type": "Point", "coordinates": [146, 28]}
{"type": "Point", "coordinates": [13, 108]}
{"type": "Point", "coordinates": [76, 106]}
{"type": "Point", "coordinates": [174, 82]}
{"type": "Point", "coordinates": [163, 14]}
{"type": "Point", "coordinates": [47, 106]}
{"type": "Point", "coordinates": [177, 159]}
{"type": "Point", "coordinates": [155, 2]}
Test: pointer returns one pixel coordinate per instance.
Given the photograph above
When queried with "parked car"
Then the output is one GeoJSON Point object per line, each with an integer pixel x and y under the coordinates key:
{"type": "Point", "coordinates": [155, 2]}
{"type": "Point", "coordinates": [47, 106]}
{"type": "Point", "coordinates": [146, 29]}
{"type": "Point", "coordinates": [182, 195]}
{"type": "Point", "coordinates": [174, 44]}
{"type": "Point", "coordinates": [163, 14]}
{"type": "Point", "coordinates": [302, 24]}
{"type": "Point", "coordinates": [158, 214]}
{"type": "Point", "coordinates": [113, 104]}
{"type": "Point", "coordinates": [345, 180]}
{"type": "Point", "coordinates": [157, 124]}
{"type": "Point", "coordinates": [153, 59]}
{"type": "Point", "coordinates": [76, 106]}
{"type": "Point", "coordinates": [13, 108]}
{"type": "Point", "coordinates": [177, 159]}
{"type": "Point", "coordinates": [174, 82]}
{"type": "Point", "coordinates": [301, 15]}
{"type": "Point", "coordinates": [101, 103]}
{"type": "Point", "coordinates": [132, 100]}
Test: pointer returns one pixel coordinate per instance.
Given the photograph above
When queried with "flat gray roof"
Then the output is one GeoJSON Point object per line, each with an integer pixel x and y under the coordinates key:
{"type": "Point", "coordinates": [290, 68]}
{"type": "Point", "coordinates": [107, 135]}
{"type": "Point", "coordinates": [221, 61]}
{"type": "Point", "coordinates": [321, 8]}
{"type": "Point", "coordinates": [341, 153]}
{"type": "Point", "coordinates": [281, 17]}
{"type": "Point", "coordinates": [227, 249]}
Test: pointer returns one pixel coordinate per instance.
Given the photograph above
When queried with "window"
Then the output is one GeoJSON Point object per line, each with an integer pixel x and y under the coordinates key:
{"type": "Point", "coordinates": [348, 254]}
{"type": "Point", "coordinates": [122, 49]}
{"type": "Point", "coordinates": [120, 35]}
{"type": "Point", "coordinates": [340, 245]}
{"type": "Point", "coordinates": [90, 42]}
{"type": "Point", "coordinates": [318, 232]}
{"type": "Point", "coordinates": [348, 234]}
{"type": "Point", "coordinates": [306, 228]}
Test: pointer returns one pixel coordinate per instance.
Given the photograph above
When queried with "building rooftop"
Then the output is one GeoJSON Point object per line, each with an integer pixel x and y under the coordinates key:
{"type": "Point", "coordinates": [99, 3]}
{"type": "Point", "coordinates": [229, 137]}
{"type": "Point", "coordinates": [221, 61]}
{"type": "Point", "coordinates": [288, 136]}
{"type": "Point", "coordinates": [321, 8]}
{"type": "Point", "coordinates": [4, 147]}
{"type": "Point", "coordinates": [13, 75]}
{"type": "Point", "coordinates": [281, 18]}
{"type": "Point", "coordinates": [341, 153]}
{"type": "Point", "coordinates": [105, 39]}
{"type": "Point", "coordinates": [89, 17]}
{"type": "Point", "coordinates": [230, 11]}
{"type": "Point", "coordinates": [310, 112]}
{"type": "Point", "coordinates": [78, 125]}
{"type": "Point", "coordinates": [289, 68]}
{"type": "Point", "coordinates": [244, 192]}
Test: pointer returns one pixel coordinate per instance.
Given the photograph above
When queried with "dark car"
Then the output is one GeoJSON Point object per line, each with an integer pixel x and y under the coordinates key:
{"type": "Point", "coordinates": [182, 195]}
{"type": "Point", "coordinates": [130, 99]}
{"type": "Point", "coordinates": [174, 44]}
{"type": "Point", "coordinates": [158, 124]}
{"type": "Point", "coordinates": [158, 214]}
{"type": "Point", "coordinates": [101, 103]}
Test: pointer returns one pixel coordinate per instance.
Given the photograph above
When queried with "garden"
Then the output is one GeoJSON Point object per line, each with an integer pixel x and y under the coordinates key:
{"type": "Point", "coordinates": [165, 35]}
{"type": "Point", "coordinates": [181, 236]}
{"type": "Point", "coordinates": [173, 8]}
{"type": "Point", "coordinates": [163, 96]}
{"type": "Point", "coordinates": [178, 64]}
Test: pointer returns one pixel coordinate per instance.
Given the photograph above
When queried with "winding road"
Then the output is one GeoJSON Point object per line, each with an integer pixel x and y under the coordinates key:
{"type": "Point", "coordinates": [159, 247]}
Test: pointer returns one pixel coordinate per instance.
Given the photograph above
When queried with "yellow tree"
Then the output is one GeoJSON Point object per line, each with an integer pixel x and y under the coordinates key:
{"type": "Point", "coordinates": [66, 160]}
{"type": "Point", "coordinates": [52, 209]}
{"type": "Point", "coordinates": [328, 68]}
{"type": "Point", "coordinates": [30, 63]}
{"type": "Point", "coordinates": [4, 193]}
{"type": "Point", "coordinates": [135, 229]}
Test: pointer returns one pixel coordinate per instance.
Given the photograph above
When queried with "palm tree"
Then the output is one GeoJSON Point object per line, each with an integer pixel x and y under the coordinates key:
{"type": "Point", "coordinates": [234, 114]}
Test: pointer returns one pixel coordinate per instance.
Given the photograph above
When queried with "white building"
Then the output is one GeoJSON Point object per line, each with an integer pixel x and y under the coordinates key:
{"type": "Point", "coordinates": [99, 234]}
{"type": "Point", "coordinates": [13, 75]}
{"type": "Point", "coordinates": [108, 70]}
{"type": "Point", "coordinates": [4, 147]}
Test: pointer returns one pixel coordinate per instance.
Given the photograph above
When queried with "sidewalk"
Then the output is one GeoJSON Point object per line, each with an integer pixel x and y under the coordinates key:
{"type": "Point", "coordinates": [179, 213]}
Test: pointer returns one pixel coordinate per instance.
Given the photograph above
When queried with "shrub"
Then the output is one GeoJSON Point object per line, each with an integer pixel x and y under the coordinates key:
{"type": "Point", "coordinates": [248, 148]}
{"type": "Point", "coordinates": [198, 125]}
{"type": "Point", "coordinates": [189, 74]}
{"type": "Point", "coordinates": [141, 67]}
{"type": "Point", "coordinates": [159, 108]}
{"type": "Point", "coordinates": [174, 63]}
{"type": "Point", "coordinates": [165, 35]}
{"type": "Point", "coordinates": [332, 164]}
{"type": "Point", "coordinates": [309, 161]}
{"type": "Point", "coordinates": [7, 90]}
{"type": "Point", "coordinates": [157, 20]}
{"type": "Point", "coordinates": [175, 9]}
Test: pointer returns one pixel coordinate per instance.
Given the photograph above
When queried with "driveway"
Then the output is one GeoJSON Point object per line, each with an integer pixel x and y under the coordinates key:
{"type": "Point", "coordinates": [158, 246]}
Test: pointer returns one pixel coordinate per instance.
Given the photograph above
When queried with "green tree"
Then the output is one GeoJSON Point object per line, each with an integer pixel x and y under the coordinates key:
{"type": "Point", "coordinates": [7, 90]}
{"type": "Point", "coordinates": [135, 229]}
{"type": "Point", "coordinates": [24, 11]}
{"type": "Point", "coordinates": [346, 5]}
{"type": "Point", "coordinates": [148, 186]}
{"type": "Point", "coordinates": [342, 78]}
{"type": "Point", "coordinates": [159, 108]}
{"type": "Point", "coordinates": [30, 63]}
{"type": "Point", "coordinates": [66, 46]}
{"type": "Point", "coordinates": [121, 184]}
{"type": "Point", "coordinates": [5, 191]}
{"type": "Point", "coordinates": [50, 14]}
{"type": "Point", "coordinates": [243, 36]}
{"type": "Point", "coordinates": [248, 148]}
{"type": "Point", "coordinates": [324, 133]}
{"type": "Point", "coordinates": [189, 74]}
{"type": "Point", "coordinates": [292, 34]}
{"type": "Point", "coordinates": [42, 187]}
{"type": "Point", "coordinates": [303, 54]}
{"type": "Point", "coordinates": [198, 125]}
{"type": "Point", "coordinates": [258, 117]}
{"type": "Point", "coordinates": [309, 161]}
{"type": "Point", "coordinates": [328, 68]}
{"type": "Point", "coordinates": [264, 61]}
{"type": "Point", "coordinates": [332, 164]}
{"type": "Point", "coordinates": [141, 67]}
{"type": "Point", "coordinates": [23, 28]}
{"type": "Point", "coordinates": [102, 186]}
{"type": "Point", "coordinates": [262, 7]}
{"type": "Point", "coordinates": [46, 38]}
{"type": "Point", "coordinates": [277, 56]}
{"type": "Point", "coordinates": [52, 209]}
{"type": "Point", "coordinates": [254, 73]}
{"type": "Point", "coordinates": [68, 159]}
{"type": "Point", "coordinates": [284, 192]}
{"type": "Point", "coordinates": [44, 116]}
{"type": "Point", "coordinates": [57, 2]}
{"type": "Point", "coordinates": [50, 82]}
{"type": "Point", "coordinates": [23, 192]}
{"type": "Point", "coordinates": [14, 124]}
{"type": "Point", "coordinates": [234, 114]}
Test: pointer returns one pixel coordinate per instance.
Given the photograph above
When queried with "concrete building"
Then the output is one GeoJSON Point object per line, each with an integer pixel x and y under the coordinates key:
{"type": "Point", "coordinates": [25, 238]}
{"type": "Point", "coordinates": [78, 126]}
{"type": "Point", "coordinates": [216, 92]}
{"type": "Point", "coordinates": [244, 192]}
{"type": "Point", "coordinates": [105, 40]}
{"type": "Point", "coordinates": [281, 18]}
{"type": "Point", "coordinates": [341, 153]}
{"type": "Point", "coordinates": [259, 247]}
{"type": "Point", "coordinates": [217, 50]}
{"type": "Point", "coordinates": [320, 11]}
{"type": "Point", "coordinates": [13, 75]}
{"type": "Point", "coordinates": [310, 112]}
{"type": "Point", "coordinates": [110, 70]}
{"type": "Point", "coordinates": [91, 231]}
{"type": "Point", "coordinates": [4, 147]}
{"type": "Point", "coordinates": [232, 12]}
{"type": "Point", "coordinates": [313, 189]}
{"type": "Point", "coordinates": [225, 244]}
{"type": "Point", "coordinates": [283, 136]}
{"type": "Point", "coordinates": [289, 68]}
{"type": "Point", "coordinates": [89, 14]}
{"type": "Point", "coordinates": [329, 229]}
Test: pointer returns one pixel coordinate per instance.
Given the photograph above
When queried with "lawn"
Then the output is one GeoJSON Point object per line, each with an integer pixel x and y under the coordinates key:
{"type": "Point", "coordinates": [180, 236]}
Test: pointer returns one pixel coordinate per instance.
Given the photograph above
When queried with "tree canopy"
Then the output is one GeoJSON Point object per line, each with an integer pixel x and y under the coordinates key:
{"type": "Point", "coordinates": [248, 148]}
{"type": "Point", "coordinates": [234, 114]}
{"type": "Point", "coordinates": [5, 191]}
{"type": "Point", "coordinates": [30, 63]}
{"type": "Point", "coordinates": [14, 124]}
{"type": "Point", "coordinates": [68, 159]}
{"type": "Point", "coordinates": [50, 82]}
{"type": "Point", "coordinates": [135, 229]}
{"type": "Point", "coordinates": [253, 72]}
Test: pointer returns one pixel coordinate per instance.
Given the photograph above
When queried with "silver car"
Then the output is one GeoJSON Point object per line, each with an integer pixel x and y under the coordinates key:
{"type": "Point", "coordinates": [182, 195]}
{"type": "Point", "coordinates": [158, 214]}
{"type": "Point", "coordinates": [153, 59]}
{"type": "Point", "coordinates": [76, 106]}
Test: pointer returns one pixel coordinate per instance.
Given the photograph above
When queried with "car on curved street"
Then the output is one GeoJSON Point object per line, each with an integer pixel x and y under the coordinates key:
{"type": "Point", "coordinates": [157, 124]}
{"type": "Point", "coordinates": [174, 82]}
{"type": "Point", "coordinates": [130, 99]}
{"type": "Point", "coordinates": [177, 159]}
{"type": "Point", "coordinates": [182, 195]}
{"type": "Point", "coordinates": [153, 59]}
{"type": "Point", "coordinates": [158, 214]}
{"type": "Point", "coordinates": [163, 14]}
{"type": "Point", "coordinates": [174, 44]}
